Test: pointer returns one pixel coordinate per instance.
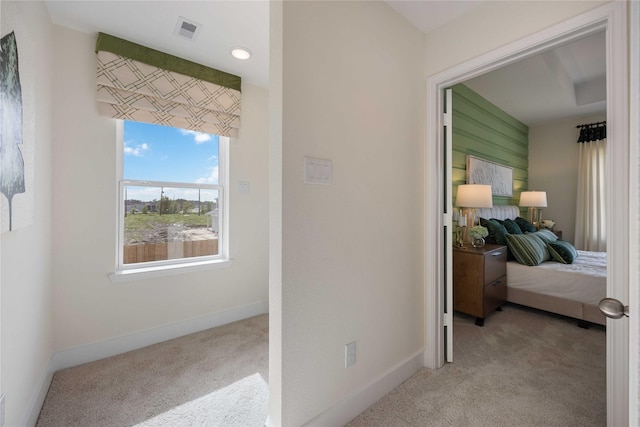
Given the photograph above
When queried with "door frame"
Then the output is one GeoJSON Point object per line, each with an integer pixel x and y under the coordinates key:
{"type": "Point", "coordinates": [611, 17]}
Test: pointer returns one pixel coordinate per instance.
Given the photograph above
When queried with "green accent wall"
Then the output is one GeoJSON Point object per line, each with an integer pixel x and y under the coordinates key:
{"type": "Point", "coordinates": [483, 130]}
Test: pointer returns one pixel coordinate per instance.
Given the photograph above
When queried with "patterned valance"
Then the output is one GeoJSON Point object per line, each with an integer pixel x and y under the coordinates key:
{"type": "Point", "coordinates": [141, 84]}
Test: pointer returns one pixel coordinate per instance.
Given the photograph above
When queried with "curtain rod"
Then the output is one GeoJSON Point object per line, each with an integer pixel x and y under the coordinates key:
{"type": "Point", "coordinates": [591, 125]}
{"type": "Point", "coordinates": [592, 132]}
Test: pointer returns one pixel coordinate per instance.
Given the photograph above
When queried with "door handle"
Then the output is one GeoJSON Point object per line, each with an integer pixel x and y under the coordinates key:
{"type": "Point", "coordinates": [613, 308]}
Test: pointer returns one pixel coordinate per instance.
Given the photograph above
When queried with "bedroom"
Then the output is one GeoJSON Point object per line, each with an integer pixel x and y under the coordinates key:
{"type": "Point", "coordinates": [544, 154]}
{"type": "Point", "coordinates": [541, 148]}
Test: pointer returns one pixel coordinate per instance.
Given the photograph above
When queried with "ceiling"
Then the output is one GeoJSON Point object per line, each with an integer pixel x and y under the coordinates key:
{"type": "Point", "coordinates": [568, 81]}
{"type": "Point", "coordinates": [223, 25]}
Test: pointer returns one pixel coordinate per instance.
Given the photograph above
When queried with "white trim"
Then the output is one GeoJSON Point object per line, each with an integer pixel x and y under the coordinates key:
{"type": "Point", "coordinates": [118, 345]}
{"type": "Point", "coordinates": [37, 399]}
{"type": "Point", "coordinates": [634, 206]}
{"type": "Point", "coordinates": [114, 346]}
{"type": "Point", "coordinates": [127, 272]}
{"type": "Point", "coordinates": [143, 273]}
{"type": "Point", "coordinates": [612, 17]}
{"type": "Point", "coordinates": [223, 175]}
{"type": "Point", "coordinates": [343, 411]}
{"type": "Point", "coordinates": [448, 223]}
{"type": "Point", "coordinates": [618, 220]}
{"type": "Point", "coordinates": [119, 230]}
{"type": "Point", "coordinates": [433, 208]}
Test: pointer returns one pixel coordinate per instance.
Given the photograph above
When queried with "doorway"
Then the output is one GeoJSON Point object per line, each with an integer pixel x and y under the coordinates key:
{"type": "Point", "coordinates": [611, 18]}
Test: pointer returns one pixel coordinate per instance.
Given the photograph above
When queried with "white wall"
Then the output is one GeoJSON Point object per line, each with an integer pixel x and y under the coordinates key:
{"type": "Point", "coordinates": [351, 251]}
{"type": "Point", "coordinates": [88, 307]}
{"type": "Point", "coordinates": [553, 167]}
{"type": "Point", "coordinates": [492, 25]}
{"type": "Point", "coordinates": [26, 252]}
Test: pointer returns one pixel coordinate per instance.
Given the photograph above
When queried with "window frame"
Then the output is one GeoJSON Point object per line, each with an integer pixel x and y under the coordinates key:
{"type": "Point", "coordinates": [124, 272]}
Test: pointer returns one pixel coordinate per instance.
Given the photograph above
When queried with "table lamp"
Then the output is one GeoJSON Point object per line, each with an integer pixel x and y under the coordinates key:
{"type": "Point", "coordinates": [474, 196]}
{"type": "Point", "coordinates": [534, 200]}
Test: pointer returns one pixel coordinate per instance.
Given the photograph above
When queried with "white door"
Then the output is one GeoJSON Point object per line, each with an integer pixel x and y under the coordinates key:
{"type": "Point", "coordinates": [613, 18]}
{"type": "Point", "coordinates": [448, 224]}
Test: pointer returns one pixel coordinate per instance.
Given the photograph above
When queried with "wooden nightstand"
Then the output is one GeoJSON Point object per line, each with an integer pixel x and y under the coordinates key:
{"type": "Point", "coordinates": [479, 280]}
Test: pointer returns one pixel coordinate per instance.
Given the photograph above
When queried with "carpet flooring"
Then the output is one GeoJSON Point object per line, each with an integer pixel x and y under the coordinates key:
{"type": "Point", "coordinates": [218, 377]}
{"type": "Point", "coordinates": [523, 368]}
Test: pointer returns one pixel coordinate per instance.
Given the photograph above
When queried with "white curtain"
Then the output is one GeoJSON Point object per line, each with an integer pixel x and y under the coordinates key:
{"type": "Point", "coordinates": [590, 232]}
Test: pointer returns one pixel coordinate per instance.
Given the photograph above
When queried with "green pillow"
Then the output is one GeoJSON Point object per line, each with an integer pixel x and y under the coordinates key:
{"type": "Point", "coordinates": [528, 249]}
{"type": "Point", "coordinates": [525, 225]}
{"type": "Point", "coordinates": [547, 236]}
{"type": "Point", "coordinates": [496, 231]}
{"type": "Point", "coordinates": [511, 226]}
{"type": "Point", "coordinates": [562, 251]}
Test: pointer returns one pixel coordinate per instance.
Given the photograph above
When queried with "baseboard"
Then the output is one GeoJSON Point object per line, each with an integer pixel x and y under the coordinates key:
{"type": "Point", "coordinates": [351, 406]}
{"type": "Point", "coordinates": [31, 417]}
{"type": "Point", "coordinates": [113, 346]}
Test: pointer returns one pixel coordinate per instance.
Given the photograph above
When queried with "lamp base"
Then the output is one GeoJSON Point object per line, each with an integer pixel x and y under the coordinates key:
{"type": "Point", "coordinates": [535, 216]}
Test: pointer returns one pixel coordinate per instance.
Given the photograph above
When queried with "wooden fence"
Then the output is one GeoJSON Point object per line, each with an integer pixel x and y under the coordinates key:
{"type": "Point", "coordinates": [146, 252]}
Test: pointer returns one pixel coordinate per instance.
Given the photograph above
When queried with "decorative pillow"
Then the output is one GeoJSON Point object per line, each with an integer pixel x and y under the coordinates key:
{"type": "Point", "coordinates": [525, 225]}
{"type": "Point", "coordinates": [562, 251]}
{"type": "Point", "coordinates": [496, 231]}
{"type": "Point", "coordinates": [547, 236]}
{"type": "Point", "coordinates": [528, 249]}
{"type": "Point", "coordinates": [511, 226]}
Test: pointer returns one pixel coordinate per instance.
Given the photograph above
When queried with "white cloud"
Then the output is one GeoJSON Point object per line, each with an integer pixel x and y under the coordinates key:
{"type": "Point", "coordinates": [198, 137]}
{"type": "Point", "coordinates": [211, 179]}
{"type": "Point", "coordinates": [137, 151]}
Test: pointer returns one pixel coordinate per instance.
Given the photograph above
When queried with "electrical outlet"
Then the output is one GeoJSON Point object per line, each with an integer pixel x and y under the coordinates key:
{"type": "Point", "coordinates": [349, 354]}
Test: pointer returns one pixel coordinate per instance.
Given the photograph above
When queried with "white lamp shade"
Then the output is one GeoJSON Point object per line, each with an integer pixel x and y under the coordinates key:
{"type": "Point", "coordinates": [533, 199]}
{"type": "Point", "coordinates": [474, 196]}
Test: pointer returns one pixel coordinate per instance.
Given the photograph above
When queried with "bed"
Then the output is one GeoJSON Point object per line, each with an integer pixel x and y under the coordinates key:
{"type": "Point", "coordinates": [572, 290]}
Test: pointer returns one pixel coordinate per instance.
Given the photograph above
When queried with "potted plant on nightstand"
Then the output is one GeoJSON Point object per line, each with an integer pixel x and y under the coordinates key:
{"type": "Point", "coordinates": [477, 234]}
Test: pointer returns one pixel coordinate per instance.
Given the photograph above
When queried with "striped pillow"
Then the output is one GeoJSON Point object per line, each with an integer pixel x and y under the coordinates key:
{"type": "Point", "coordinates": [546, 236]}
{"type": "Point", "coordinates": [528, 249]}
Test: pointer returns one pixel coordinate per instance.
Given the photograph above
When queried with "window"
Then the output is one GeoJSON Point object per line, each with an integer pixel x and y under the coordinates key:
{"type": "Point", "coordinates": [172, 197]}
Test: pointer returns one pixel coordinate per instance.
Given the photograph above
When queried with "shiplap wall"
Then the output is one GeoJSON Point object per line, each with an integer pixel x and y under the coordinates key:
{"type": "Point", "coordinates": [483, 130]}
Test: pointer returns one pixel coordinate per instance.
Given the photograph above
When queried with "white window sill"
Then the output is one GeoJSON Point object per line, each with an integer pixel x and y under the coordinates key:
{"type": "Point", "coordinates": [167, 270]}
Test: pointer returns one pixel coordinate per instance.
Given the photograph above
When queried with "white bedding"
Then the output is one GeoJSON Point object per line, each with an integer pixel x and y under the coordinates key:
{"type": "Point", "coordinates": [583, 281]}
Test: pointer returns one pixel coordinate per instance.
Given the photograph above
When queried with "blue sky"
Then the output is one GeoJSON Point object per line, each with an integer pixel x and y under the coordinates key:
{"type": "Point", "coordinates": [161, 153]}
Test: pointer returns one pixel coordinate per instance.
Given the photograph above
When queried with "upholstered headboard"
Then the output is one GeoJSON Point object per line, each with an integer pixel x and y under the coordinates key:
{"type": "Point", "coordinates": [498, 212]}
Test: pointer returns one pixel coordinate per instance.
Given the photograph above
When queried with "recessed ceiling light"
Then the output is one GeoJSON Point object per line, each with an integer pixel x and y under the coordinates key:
{"type": "Point", "coordinates": [240, 52]}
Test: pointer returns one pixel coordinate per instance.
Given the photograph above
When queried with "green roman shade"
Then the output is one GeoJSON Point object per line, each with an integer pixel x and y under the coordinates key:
{"type": "Point", "coordinates": [141, 84]}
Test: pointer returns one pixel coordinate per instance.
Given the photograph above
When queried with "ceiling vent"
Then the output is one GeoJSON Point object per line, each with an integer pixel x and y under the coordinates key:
{"type": "Point", "coordinates": [187, 29]}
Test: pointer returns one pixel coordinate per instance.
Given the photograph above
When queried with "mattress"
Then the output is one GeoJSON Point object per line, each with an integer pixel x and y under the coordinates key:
{"type": "Point", "coordinates": [583, 281]}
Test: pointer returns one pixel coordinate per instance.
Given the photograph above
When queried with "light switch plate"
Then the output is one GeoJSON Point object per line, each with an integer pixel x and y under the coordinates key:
{"type": "Point", "coordinates": [317, 171]}
{"type": "Point", "coordinates": [243, 186]}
